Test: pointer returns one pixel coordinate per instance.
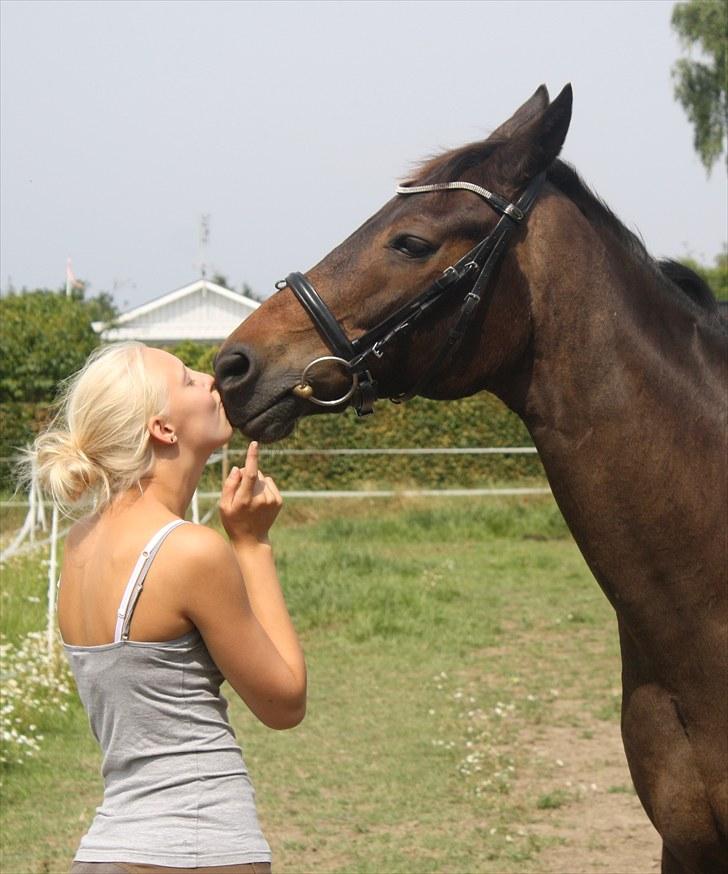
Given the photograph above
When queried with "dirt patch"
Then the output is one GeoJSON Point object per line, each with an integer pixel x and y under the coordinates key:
{"type": "Point", "coordinates": [586, 808]}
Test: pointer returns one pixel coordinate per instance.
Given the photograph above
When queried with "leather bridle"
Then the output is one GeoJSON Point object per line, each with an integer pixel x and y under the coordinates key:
{"type": "Point", "coordinates": [480, 261]}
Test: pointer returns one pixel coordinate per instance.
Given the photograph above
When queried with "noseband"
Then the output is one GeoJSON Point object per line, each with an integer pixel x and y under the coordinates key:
{"type": "Point", "coordinates": [480, 262]}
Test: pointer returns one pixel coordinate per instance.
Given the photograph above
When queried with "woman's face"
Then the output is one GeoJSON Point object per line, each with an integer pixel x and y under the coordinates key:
{"type": "Point", "coordinates": [194, 413]}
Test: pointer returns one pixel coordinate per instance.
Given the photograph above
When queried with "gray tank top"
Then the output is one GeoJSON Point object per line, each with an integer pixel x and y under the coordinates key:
{"type": "Point", "coordinates": [176, 789]}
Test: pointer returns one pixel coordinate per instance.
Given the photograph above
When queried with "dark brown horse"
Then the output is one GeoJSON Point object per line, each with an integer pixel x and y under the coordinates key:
{"type": "Point", "coordinates": [617, 366]}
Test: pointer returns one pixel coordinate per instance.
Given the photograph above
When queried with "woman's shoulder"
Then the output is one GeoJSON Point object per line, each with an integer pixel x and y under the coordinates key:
{"type": "Point", "coordinates": [197, 554]}
{"type": "Point", "coordinates": [191, 542]}
{"type": "Point", "coordinates": [200, 546]}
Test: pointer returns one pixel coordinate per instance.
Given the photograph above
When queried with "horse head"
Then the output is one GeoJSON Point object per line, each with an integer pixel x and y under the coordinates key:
{"type": "Point", "coordinates": [378, 311]}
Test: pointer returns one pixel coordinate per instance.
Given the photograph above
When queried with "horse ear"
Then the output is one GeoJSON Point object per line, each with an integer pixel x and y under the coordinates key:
{"type": "Point", "coordinates": [534, 106]}
{"type": "Point", "coordinates": [536, 145]}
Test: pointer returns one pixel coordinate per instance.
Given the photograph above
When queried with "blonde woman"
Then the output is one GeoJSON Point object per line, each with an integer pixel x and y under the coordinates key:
{"type": "Point", "coordinates": [155, 612]}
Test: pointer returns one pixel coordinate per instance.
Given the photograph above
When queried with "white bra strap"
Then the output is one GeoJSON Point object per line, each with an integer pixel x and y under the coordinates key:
{"type": "Point", "coordinates": [136, 580]}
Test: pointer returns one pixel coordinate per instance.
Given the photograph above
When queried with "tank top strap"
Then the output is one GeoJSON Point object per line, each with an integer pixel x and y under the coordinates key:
{"type": "Point", "coordinates": [136, 580]}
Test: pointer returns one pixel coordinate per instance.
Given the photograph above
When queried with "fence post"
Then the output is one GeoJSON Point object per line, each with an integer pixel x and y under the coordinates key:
{"type": "Point", "coordinates": [195, 509]}
{"type": "Point", "coordinates": [41, 508]}
{"type": "Point", "coordinates": [32, 499]}
{"type": "Point", "coordinates": [52, 573]}
{"type": "Point", "coordinates": [225, 464]}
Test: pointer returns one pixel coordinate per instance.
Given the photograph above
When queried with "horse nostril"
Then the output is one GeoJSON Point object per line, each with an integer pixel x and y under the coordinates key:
{"type": "Point", "coordinates": [233, 368]}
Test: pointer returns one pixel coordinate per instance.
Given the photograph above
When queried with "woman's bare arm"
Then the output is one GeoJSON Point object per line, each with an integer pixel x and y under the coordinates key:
{"type": "Point", "coordinates": [233, 595]}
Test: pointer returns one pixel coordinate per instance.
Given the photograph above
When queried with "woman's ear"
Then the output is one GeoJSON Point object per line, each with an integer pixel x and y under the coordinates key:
{"type": "Point", "coordinates": [161, 431]}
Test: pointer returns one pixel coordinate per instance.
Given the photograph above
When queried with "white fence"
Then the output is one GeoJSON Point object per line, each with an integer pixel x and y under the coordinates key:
{"type": "Point", "coordinates": [26, 538]}
{"type": "Point", "coordinates": [355, 493]}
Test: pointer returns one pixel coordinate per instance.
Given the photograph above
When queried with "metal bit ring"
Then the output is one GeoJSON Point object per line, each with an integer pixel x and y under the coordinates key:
{"type": "Point", "coordinates": [305, 389]}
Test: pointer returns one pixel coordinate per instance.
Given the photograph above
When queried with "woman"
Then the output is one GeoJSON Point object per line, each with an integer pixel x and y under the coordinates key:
{"type": "Point", "coordinates": [130, 441]}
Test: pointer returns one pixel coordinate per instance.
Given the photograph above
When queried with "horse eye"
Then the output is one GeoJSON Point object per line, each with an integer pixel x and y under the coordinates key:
{"type": "Point", "coordinates": [414, 247]}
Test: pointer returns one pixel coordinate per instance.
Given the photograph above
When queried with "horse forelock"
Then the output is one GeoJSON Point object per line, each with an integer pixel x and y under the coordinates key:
{"type": "Point", "coordinates": [454, 164]}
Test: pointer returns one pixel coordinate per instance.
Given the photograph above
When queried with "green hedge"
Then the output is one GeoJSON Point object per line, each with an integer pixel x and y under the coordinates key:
{"type": "Point", "coordinates": [480, 420]}
{"type": "Point", "coordinates": [19, 423]}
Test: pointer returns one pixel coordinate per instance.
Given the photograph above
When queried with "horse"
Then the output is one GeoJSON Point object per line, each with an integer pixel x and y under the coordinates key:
{"type": "Point", "coordinates": [495, 268]}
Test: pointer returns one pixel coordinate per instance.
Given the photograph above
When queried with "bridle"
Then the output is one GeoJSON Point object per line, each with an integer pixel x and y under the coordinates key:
{"type": "Point", "coordinates": [480, 261]}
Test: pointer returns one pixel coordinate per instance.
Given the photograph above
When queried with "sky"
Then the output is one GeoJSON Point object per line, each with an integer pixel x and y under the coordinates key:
{"type": "Point", "coordinates": [289, 123]}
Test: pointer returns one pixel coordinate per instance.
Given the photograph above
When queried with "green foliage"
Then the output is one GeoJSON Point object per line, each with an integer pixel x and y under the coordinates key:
{"type": "Point", "coordinates": [19, 423]}
{"type": "Point", "coordinates": [102, 308]}
{"type": "Point", "coordinates": [480, 420]}
{"type": "Point", "coordinates": [700, 86]}
{"type": "Point", "coordinates": [220, 279]}
{"type": "Point", "coordinates": [197, 356]}
{"type": "Point", "coordinates": [247, 291]}
{"type": "Point", "coordinates": [36, 690]}
{"type": "Point", "coordinates": [716, 276]}
{"type": "Point", "coordinates": [45, 336]}
{"type": "Point", "coordinates": [552, 800]}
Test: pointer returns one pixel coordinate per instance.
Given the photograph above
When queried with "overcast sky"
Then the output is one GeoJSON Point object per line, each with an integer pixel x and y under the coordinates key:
{"type": "Point", "coordinates": [290, 122]}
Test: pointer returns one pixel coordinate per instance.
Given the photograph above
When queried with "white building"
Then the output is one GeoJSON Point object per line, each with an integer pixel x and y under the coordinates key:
{"type": "Point", "coordinates": [202, 311]}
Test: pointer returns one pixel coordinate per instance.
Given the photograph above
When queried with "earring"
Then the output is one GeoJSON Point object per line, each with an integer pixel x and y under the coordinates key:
{"type": "Point", "coordinates": [173, 439]}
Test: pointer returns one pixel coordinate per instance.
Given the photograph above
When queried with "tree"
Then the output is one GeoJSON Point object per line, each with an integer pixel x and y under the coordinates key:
{"type": "Point", "coordinates": [45, 337]}
{"type": "Point", "coordinates": [101, 308]}
{"type": "Point", "coordinates": [700, 86]}
{"type": "Point", "coordinates": [247, 291]}
{"type": "Point", "coordinates": [220, 279]}
{"type": "Point", "coordinates": [198, 356]}
{"type": "Point", "coordinates": [716, 276]}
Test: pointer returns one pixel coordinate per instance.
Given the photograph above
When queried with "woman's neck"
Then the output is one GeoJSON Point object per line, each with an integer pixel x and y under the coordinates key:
{"type": "Point", "coordinates": [170, 486]}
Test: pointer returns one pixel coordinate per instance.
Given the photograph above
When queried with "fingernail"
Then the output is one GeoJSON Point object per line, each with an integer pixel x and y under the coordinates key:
{"type": "Point", "coordinates": [254, 444]}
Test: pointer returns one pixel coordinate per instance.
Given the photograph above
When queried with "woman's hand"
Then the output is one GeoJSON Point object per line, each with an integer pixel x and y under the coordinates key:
{"type": "Point", "coordinates": [249, 502]}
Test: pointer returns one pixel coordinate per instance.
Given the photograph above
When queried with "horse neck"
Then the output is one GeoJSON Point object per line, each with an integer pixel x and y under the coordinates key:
{"type": "Point", "coordinates": [625, 402]}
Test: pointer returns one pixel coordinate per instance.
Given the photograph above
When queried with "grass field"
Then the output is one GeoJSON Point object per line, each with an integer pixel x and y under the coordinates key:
{"type": "Point", "coordinates": [463, 708]}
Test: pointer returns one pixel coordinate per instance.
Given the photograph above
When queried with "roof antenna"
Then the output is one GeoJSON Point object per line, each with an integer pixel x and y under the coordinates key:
{"type": "Point", "coordinates": [204, 240]}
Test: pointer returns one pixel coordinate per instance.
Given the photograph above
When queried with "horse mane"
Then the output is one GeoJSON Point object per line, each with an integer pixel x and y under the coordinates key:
{"type": "Point", "coordinates": [688, 280]}
{"type": "Point", "coordinates": [673, 276]}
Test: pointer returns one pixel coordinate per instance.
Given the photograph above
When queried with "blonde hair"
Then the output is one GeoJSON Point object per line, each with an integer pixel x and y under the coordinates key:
{"type": "Point", "coordinates": [98, 444]}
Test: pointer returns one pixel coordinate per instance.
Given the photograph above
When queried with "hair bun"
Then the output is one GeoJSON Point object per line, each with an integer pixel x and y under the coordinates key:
{"type": "Point", "coordinates": [65, 468]}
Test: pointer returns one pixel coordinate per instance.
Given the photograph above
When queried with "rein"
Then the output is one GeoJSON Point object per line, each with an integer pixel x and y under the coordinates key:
{"type": "Point", "coordinates": [482, 260]}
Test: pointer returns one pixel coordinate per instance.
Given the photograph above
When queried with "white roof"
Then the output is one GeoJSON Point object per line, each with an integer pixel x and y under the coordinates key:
{"type": "Point", "coordinates": [202, 310]}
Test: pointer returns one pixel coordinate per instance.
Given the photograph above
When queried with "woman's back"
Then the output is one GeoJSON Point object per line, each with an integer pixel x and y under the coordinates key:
{"type": "Point", "coordinates": [100, 555]}
{"type": "Point", "coordinates": [177, 792]}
